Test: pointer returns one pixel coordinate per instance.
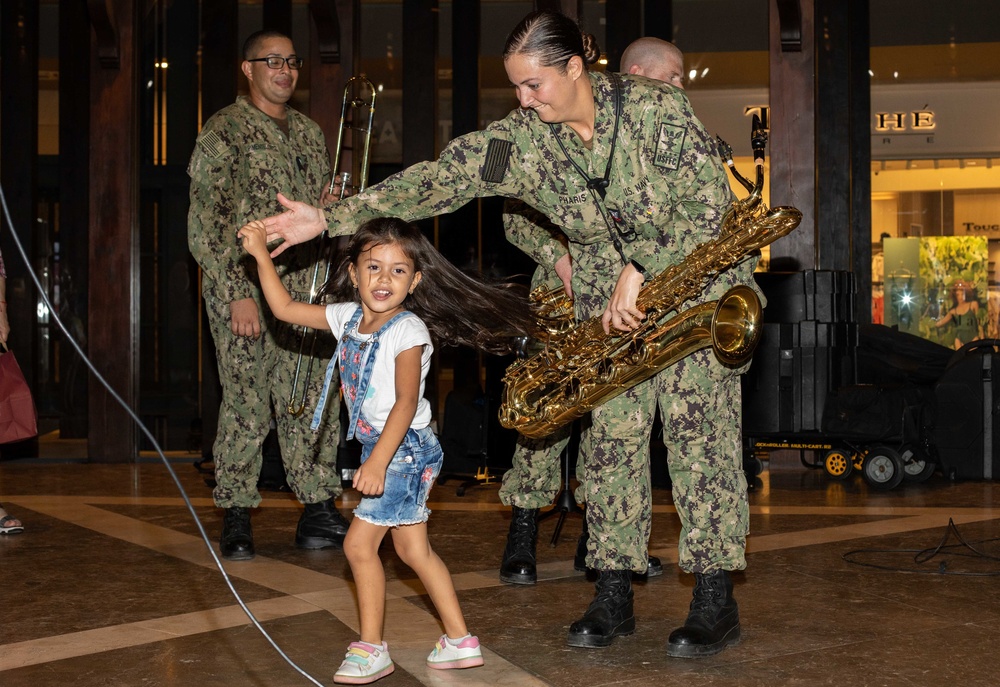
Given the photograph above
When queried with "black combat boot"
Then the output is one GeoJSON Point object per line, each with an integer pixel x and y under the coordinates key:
{"type": "Point", "coordinates": [518, 564]}
{"type": "Point", "coordinates": [609, 614]}
{"type": "Point", "coordinates": [236, 543]}
{"type": "Point", "coordinates": [321, 526]}
{"type": "Point", "coordinates": [580, 558]}
{"type": "Point", "coordinates": [653, 567]}
{"type": "Point", "coordinates": [714, 620]}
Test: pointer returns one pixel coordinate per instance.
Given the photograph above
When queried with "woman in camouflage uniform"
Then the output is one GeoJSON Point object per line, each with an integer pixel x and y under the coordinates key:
{"type": "Point", "coordinates": [534, 477]}
{"type": "Point", "coordinates": [623, 166]}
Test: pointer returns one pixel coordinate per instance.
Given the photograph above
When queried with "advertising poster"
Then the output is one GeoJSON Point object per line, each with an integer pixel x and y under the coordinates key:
{"type": "Point", "coordinates": [935, 287]}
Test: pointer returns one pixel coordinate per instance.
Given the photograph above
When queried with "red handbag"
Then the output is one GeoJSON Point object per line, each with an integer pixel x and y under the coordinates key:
{"type": "Point", "coordinates": [17, 409]}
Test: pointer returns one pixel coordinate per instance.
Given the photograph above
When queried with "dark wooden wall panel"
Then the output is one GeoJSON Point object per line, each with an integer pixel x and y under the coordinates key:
{"type": "Point", "coordinates": [622, 25]}
{"type": "Point", "coordinates": [658, 19]}
{"type": "Point", "coordinates": [277, 16]}
{"type": "Point", "coordinates": [114, 198]}
{"type": "Point", "coordinates": [461, 233]}
{"type": "Point", "coordinates": [420, 47]}
{"type": "Point", "coordinates": [465, 41]}
{"type": "Point", "coordinates": [74, 201]}
{"type": "Point", "coordinates": [571, 8]}
{"type": "Point", "coordinates": [220, 55]}
{"type": "Point", "coordinates": [335, 27]}
{"type": "Point", "coordinates": [181, 51]}
{"type": "Point", "coordinates": [792, 140]}
{"type": "Point", "coordinates": [833, 130]}
{"type": "Point", "coordinates": [859, 31]}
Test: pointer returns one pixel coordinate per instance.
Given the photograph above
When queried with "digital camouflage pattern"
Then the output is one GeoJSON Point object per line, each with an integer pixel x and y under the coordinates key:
{"type": "Point", "coordinates": [670, 188]}
{"type": "Point", "coordinates": [700, 405]}
{"type": "Point", "coordinates": [535, 476]}
{"type": "Point", "coordinates": [240, 161]}
{"type": "Point", "coordinates": [542, 241]}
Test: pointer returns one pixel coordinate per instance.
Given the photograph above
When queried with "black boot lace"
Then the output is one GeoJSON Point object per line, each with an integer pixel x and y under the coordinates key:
{"type": "Point", "coordinates": [523, 528]}
{"type": "Point", "coordinates": [709, 593]}
{"type": "Point", "coordinates": [613, 586]}
{"type": "Point", "coordinates": [236, 522]}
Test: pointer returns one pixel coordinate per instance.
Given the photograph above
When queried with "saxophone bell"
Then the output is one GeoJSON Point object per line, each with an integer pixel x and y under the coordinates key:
{"type": "Point", "coordinates": [736, 325]}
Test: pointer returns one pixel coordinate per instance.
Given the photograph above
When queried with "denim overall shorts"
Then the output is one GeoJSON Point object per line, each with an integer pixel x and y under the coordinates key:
{"type": "Point", "coordinates": [416, 463]}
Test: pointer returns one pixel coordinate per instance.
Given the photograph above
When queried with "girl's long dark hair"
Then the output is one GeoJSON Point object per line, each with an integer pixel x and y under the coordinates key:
{"type": "Point", "coordinates": [456, 308]}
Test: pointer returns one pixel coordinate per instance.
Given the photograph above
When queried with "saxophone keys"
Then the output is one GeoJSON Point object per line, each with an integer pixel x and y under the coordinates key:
{"type": "Point", "coordinates": [637, 352]}
{"type": "Point", "coordinates": [605, 371]}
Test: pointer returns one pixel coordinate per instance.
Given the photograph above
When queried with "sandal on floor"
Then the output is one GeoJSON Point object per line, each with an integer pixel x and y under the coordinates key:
{"type": "Point", "coordinates": [10, 525]}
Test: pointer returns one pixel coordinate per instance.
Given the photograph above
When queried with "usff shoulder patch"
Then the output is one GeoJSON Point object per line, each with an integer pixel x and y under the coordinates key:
{"type": "Point", "coordinates": [497, 160]}
{"type": "Point", "coordinates": [212, 144]}
{"type": "Point", "coordinates": [669, 144]}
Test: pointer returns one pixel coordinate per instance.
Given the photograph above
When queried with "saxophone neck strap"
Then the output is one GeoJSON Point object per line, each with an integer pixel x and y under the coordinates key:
{"type": "Point", "coordinates": [598, 184]}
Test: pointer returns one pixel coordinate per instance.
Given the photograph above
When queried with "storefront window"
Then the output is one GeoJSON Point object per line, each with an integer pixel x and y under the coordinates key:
{"type": "Point", "coordinates": [935, 169]}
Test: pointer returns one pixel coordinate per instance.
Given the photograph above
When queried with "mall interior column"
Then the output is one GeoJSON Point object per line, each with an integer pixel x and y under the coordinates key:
{"type": "Point", "coordinates": [74, 204]}
{"type": "Point", "coordinates": [792, 125]}
{"type": "Point", "coordinates": [114, 212]}
{"type": "Point", "coordinates": [333, 54]}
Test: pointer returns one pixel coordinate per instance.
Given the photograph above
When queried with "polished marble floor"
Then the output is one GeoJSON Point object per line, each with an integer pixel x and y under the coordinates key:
{"type": "Point", "coordinates": [112, 584]}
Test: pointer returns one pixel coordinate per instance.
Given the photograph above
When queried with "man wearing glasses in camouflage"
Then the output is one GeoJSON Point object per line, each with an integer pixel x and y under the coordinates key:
{"type": "Point", "coordinates": [244, 155]}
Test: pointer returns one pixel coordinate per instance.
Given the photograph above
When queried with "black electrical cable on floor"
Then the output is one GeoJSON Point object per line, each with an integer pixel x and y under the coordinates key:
{"type": "Point", "coordinates": [201, 530]}
{"type": "Point", "coordinates": [963, 549]}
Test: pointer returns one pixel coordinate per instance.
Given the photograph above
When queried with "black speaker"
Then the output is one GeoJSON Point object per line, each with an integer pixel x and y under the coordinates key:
{"type": "Point", "coordinates": [821, 295]}
{"type": "Point", "coordinates": [967, 427]}
{"type": "Point", "coordinates": [808, 348]}
{"type": "Point", "coordinates": [794, 367]}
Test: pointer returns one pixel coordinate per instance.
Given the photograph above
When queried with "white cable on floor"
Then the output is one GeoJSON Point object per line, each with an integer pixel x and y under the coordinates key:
{"type": "Point", "coordinates": [152, 439]}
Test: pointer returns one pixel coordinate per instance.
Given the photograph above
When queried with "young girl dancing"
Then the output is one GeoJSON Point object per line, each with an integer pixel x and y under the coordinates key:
{"type": "Point", "coordinates": [399, 291]}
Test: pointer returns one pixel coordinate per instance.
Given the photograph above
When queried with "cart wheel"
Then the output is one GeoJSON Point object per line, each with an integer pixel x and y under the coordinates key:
{"type": "Point", "coordinates": [752, 465]}
{"type": "Point", "coordinates": [916, 467]}
{"type": "Point", "coordinates": [838, 463]}
{"type": "Point", "coordinates": [883, 468]}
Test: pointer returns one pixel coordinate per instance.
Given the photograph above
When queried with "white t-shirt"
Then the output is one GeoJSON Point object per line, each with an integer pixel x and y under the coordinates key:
{"type": "Point", "coordinates": [403, 335]}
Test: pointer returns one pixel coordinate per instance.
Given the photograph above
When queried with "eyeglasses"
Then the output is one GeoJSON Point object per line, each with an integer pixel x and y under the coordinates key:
{"type": "Point", "coordinates": [276, 61]}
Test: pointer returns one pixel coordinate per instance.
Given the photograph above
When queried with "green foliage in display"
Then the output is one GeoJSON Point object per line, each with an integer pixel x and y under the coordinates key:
{"type": "Point", "coordinates": [944, 260]}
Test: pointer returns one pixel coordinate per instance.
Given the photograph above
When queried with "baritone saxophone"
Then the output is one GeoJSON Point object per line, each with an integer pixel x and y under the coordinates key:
{"type": "Point", "coordinates": [581, 367]}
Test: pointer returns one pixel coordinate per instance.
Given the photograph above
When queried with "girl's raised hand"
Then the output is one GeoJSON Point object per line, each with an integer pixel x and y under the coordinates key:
{"type": "Point", "coordinates": [254, 238]}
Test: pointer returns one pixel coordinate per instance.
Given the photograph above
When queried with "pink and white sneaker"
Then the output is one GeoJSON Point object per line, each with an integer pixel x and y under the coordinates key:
{"type": "Point", "coordinates": [364, 663]}
{"type": "Point", "coordinates": [465, 654]}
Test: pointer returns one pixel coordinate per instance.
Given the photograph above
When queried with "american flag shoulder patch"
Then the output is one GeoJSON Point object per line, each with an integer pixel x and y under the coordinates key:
{"type": "Point", "coordinates": [497, 160]}
{"type": "Point", "coordinates": [212, 144]}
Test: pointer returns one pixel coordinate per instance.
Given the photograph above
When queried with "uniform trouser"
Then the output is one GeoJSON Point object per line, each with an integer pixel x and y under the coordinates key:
{"type": "Point", "coordinates": [535, 475]}
{"type": "Point", "coordinates": [700, 404]}
{"type": "Point", "coordinates": [256, 373]}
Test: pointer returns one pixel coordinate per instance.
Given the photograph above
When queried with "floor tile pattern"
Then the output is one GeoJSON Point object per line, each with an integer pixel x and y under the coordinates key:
{"type": "Point", "coordinates": [112, 584]}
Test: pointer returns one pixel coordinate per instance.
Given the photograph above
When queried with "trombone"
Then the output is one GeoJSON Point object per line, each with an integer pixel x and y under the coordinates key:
{"type": "Point", "coordinates": [357, 113]}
